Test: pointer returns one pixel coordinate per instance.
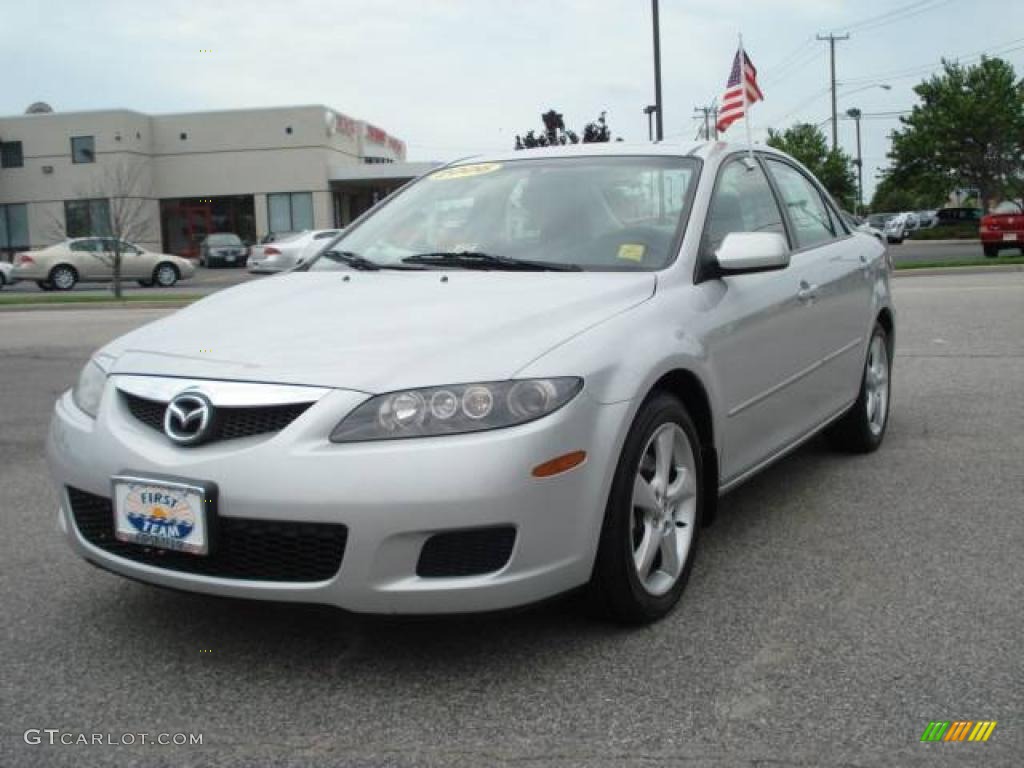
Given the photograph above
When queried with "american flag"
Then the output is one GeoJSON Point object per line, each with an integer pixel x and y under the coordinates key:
{"type": "Point", "coordinates": [733, 105]}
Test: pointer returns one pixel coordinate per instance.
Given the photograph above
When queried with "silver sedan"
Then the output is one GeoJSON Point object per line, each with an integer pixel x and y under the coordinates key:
{"type": "Point", "coordinates": [525, 374]}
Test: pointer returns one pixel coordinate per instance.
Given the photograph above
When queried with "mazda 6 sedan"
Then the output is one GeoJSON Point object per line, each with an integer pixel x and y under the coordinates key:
{"type": "Point", "coordinates": [521, 375]}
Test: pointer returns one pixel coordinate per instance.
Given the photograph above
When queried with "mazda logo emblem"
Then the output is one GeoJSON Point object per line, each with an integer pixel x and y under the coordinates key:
{"type": "Point", "coordinates": [188, 419]}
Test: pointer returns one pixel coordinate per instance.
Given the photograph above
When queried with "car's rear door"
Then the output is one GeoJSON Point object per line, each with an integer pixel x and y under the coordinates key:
{"type": "Point", "coordinates": [836, 269]}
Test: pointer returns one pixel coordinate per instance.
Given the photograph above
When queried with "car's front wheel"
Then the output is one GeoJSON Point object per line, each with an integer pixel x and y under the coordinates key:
{"type": "Point", "coordinates": [862, 428]}
{"type": "Point", "coordinates": [991, 251]}
{"type": "Point", "coordinates": [165, 275]}
{"type": "Point", "coordinates": [653, 518]}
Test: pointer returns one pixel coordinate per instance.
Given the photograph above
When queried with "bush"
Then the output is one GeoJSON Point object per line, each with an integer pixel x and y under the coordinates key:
{"type": "Point", "coordinates": [967, 230]}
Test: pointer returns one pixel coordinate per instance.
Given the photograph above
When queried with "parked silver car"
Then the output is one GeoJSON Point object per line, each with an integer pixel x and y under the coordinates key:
{"type": "Point", "coordinates": [521, 375]}
{"type": "Point", "coordinates": [289, 252]}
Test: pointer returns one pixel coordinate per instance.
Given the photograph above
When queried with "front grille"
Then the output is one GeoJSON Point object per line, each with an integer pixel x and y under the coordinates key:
{"type": "Point", "coordinates": [230, 422]}
{"type": "Point", "coordinates": [466, 553]}
{"type": "Point", "coordinates": [243, 548]}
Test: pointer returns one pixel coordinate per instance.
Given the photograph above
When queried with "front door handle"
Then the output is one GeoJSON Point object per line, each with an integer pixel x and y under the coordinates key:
{"type": "Point", "coordinates": [807, 292]}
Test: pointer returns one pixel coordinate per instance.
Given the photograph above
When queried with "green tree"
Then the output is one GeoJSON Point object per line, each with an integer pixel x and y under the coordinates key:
{"type": "Point", "coordinates": [834, 168]}
{"type": "Point", "coordinates": [967, 131]}
{"type": "Point", "coordinates": [894, 194]}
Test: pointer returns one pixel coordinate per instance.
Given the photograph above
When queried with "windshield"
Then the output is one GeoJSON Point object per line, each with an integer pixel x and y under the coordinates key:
{"type": "Point", "coordinates": [223, 240]}
{"type": "Point", "coordinates": [595, 213]}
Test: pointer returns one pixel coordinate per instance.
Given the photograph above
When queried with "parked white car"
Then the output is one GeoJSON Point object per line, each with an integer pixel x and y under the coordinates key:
{"type": "Point", "coordinates": [6, 274]}
{"type": "Point", "coordinates": [473, 412]}
{"type": "Point", "coordinates": [289, 252]}
{"type": "Point", "coordinates": [899, 227]}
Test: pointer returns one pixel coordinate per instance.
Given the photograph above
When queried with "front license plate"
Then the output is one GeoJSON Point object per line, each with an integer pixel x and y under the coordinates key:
{"type": "Point", "coordinates": [1010, 236]}
{"type": "Point", "coordinates": [231, 258]}
{"type": "Point", "coordinates": [157, 513]}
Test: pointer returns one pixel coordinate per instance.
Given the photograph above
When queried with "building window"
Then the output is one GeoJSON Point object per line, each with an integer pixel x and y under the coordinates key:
{"type": "Point", "coordinates": [83, 149]}
{"type": "Point", "coordinates": [13, 227]}
{"type": "Point", "coordinates": [10, 154]}
{"type": "Point", "coordinates": [87, 218]}
{"type": "Point", "coordinates": [290, 211]}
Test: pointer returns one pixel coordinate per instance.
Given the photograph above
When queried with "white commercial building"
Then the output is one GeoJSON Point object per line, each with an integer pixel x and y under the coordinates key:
{"type": "Point", "coordinates": [246, 171]}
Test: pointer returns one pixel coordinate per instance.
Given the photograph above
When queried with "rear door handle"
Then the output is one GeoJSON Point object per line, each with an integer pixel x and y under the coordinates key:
{"type": "Point", "coordinates": [807, 292]}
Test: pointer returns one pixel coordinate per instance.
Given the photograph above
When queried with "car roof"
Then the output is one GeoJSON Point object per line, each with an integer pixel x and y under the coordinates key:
{"type": "Point", "coordinates": [704, 150]}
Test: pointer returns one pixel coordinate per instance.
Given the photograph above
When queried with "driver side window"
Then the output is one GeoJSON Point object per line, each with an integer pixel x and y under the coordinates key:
{"type": "Point", "coordinates": [742, 202]}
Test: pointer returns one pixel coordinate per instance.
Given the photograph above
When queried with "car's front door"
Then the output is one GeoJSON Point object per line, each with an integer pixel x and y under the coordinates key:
{"type": "Point", "coordinates": [89, 259]}
{"type": "Point", "coordinates": [835, 291]}
{"type": "Point", "coordinates": [756, 328]}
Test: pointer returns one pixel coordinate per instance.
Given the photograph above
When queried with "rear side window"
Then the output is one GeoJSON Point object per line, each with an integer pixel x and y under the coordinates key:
{"type": "Point", "coordinates": [86, 246]}
{"type": "Point", "coordinates": [742, 202]}
{"type": "Point", "coordinates": [812, 223]}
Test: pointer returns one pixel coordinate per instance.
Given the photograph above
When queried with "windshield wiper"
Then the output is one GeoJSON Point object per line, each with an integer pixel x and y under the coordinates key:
{"type": "Point", "coordinates": [354, 260]}
{"type": "Point", "coordinates": [477, 260]}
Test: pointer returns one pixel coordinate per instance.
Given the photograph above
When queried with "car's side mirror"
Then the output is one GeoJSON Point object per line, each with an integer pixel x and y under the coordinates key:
{"type": "Point", "coordinates": [743, 252]}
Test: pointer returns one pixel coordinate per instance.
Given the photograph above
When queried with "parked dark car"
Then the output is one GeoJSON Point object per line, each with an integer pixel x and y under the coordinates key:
{"type": "Point", "coordinates": [223, 248]}
{"type": "Point", "coordinates": [946, 217]}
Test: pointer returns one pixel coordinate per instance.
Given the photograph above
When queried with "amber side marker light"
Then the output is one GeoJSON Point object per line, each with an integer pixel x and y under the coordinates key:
{"type": "Point", "coordinates": [559, 465]}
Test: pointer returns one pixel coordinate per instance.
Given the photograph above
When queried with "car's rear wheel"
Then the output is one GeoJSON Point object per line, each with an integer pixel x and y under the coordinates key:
{"type": "Point", "coordinates": [63, 277]}
{"type": "Point", "coordinates": [653, 518]}
{"type": "Point", "coordinates": [165, 275]}
{"type": "Point", "coordinates": [43, 285]}
{"type": "Point", "coordinates": [145, 283]}
{"type": "Point", "coordinates": [992, 251]}
{"type": "Point", "coordinates": [862, 428]}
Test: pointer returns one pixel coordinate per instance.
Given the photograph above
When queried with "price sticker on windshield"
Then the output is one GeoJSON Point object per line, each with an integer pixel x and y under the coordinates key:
{"type": "Point", "coordinates": [465, 171]}
{"type": "Point", "coordinates": [632, 251]}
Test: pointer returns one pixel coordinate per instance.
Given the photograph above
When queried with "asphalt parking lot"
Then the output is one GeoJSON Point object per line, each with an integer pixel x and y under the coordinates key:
{"type": "Point", "coordinates": [838, 605]}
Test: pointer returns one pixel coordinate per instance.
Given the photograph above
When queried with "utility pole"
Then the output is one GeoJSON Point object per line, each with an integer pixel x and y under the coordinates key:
{"type": "Point", "coordinates": [710, 115]}
{"type": "Point", "coordinates": [657, 71]}
{"type": "Point", "coordinates": [855, 114]}
{"type": "Point", "coordinates": [832, 56]}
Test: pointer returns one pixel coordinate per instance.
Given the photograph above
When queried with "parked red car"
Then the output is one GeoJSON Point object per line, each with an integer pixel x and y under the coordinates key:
{"type": "Point", "coordinates": [1002, 228]}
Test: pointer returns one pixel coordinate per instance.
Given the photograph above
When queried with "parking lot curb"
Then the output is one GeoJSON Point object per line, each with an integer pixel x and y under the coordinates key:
{"type": "Point", "coordinates": [33, 307]}
{"type": "Point", "coordinates": [926, 271]}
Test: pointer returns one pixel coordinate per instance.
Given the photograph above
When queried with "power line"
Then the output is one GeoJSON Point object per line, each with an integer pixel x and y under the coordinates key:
{"type": "Point", "coordinates": [919, 69]}
{"type": "Point", "coordinates": [896, 14]}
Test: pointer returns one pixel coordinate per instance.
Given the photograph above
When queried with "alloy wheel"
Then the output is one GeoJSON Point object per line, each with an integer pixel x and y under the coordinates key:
{"type": "Point", "coordinates": [664, 508]}
{"type": "Point", "coordinates": [876, 385]}
{"type": "Point", "coordinates": [166, 276]}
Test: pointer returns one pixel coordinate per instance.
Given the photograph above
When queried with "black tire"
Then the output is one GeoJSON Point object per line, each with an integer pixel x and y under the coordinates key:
{"type": "Point", "coordinates": [63, 277]}
{"type": "Point", "coordinates": [145, 283]}
{"type": "Point", "coordinates": [854, 432]}
{"type": "Point", "coordinates": [43, 285]}
{"type": "Point", "coordinates": [991, 251]}
{"type": "Point", "coordinates": [3, 281]}
{"type": "Point", "coordinates": [165, 274]}
{"type": "Point", "coordinates": [615, 590]}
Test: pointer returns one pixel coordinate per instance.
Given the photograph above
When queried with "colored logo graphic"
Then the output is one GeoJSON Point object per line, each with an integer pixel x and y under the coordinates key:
{"type": "Point", "coordinates": [159, 514]}
{"type": "Point", "coordinates": [958, 730]}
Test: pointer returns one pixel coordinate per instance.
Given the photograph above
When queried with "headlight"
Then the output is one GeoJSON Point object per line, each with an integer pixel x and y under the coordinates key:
{"type": "Point", "coordinates": [455, 409]}
{"type": "Point", "coordinates": [89, 387]}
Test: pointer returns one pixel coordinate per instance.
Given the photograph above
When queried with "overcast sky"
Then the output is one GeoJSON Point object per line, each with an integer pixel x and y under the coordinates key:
{"type": "Point", "coordinates": [455, 77]}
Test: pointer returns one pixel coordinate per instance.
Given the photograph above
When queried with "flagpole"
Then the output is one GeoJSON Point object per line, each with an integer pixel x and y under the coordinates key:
{"type": "Point", "coordinates": [746, 106]}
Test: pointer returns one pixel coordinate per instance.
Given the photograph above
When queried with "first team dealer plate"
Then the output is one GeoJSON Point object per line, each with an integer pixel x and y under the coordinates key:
{"type": "Point", "coordinates": [163, 512]}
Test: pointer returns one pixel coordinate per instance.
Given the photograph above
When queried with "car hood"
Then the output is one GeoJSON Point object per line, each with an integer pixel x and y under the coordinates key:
{"type": "Point", "coordinates": [379, 331]}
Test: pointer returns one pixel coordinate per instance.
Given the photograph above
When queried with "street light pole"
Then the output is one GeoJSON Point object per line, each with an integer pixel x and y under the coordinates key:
{"type": "Point", "coordinates": [649, 110]}
{"type": "Point", "coordinates": [855, 114]}
{"type": "Point", "coordinates": [657, 70]}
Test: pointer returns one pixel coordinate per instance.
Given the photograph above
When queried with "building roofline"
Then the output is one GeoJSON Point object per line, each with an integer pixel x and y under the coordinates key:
{"type": "Point", "coordinates": [125, 110]}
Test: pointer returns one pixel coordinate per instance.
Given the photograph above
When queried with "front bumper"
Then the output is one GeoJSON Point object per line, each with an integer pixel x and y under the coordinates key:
{"type": "Point", "coordinates": [392, 496]}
